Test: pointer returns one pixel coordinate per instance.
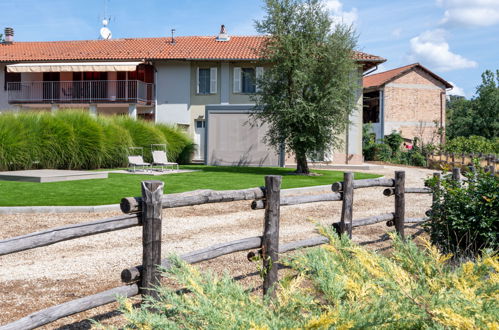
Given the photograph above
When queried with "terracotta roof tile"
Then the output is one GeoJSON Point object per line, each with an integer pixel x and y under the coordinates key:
{"type": "Point", "coordinates": [203, 48]}
{"type": "Point", "coordinates": [379, 79]}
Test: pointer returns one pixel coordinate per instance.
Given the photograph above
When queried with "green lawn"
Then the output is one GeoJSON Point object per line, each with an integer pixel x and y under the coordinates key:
{"type": "Point", "coordinates": [111, 190]}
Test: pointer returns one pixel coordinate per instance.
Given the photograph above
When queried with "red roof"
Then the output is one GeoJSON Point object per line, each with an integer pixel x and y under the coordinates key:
{"type": "Point", "coordinates": [188, 48]}
{"type": "Point", "coordinates": [379, 79]}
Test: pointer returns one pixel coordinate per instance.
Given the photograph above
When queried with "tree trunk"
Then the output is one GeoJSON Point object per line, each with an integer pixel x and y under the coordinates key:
{"type": "Point", "coordinates": [302, 164]}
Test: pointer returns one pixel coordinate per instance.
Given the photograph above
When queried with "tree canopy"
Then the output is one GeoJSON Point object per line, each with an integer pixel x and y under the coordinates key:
{"type": "Point", "coordinates": [478, 116]}
{"type": "Point", "coordinates": [308, 90]}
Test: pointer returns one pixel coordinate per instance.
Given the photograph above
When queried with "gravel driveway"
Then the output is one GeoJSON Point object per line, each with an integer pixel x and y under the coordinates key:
{"type": "Point", "coordinates": [43, 277]}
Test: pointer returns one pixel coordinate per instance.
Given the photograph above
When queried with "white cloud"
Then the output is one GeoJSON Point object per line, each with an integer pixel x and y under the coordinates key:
{"type": "Point", "coordinates": [456, 90]}
{"type": "Point", "coordinates": [335, 8]}
{"type": "Point", "coordinates": [470, 12]}
{"type": "Point", "coordinates": [431, 48]}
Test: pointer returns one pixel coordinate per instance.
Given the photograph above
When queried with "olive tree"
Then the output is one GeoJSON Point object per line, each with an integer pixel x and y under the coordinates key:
{"type": "Point", "coordinates": [308, 90]}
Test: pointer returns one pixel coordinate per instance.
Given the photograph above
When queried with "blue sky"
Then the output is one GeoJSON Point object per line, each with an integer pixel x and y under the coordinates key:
{"type": "Point", "coordinates": [457, 39]}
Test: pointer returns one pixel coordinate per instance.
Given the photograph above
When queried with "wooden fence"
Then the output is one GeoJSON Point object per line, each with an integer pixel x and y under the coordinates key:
{"type": "Point", "coordinates": [146, 211]}
{"type": "Point", "coordinates": [463, 161]}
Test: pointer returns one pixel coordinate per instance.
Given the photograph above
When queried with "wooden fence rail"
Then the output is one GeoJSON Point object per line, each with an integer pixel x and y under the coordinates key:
{"type": "Point", "coordinates": [64, 233]}
{"type": "Point", "coordinates": [148, 209]}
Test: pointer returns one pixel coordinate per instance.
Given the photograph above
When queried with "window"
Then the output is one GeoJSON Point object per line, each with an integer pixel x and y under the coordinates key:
{"type": "Point", "coordinates": [248, 81]}
{"type": "Point", "coordinates": [207, 81]}
{"type": "Point", "coordinates": [11, 77]}
{"type": "Point", "coordinates": [245, 80]}
{"type": "Point", "coordinates": [200, 124]}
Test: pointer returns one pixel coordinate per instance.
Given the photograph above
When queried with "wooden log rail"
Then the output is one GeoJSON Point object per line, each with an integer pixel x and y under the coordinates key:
{"type": "Point", "coordinates": [133, 274]}
{"type": "Point", "coordinates": [134, 204]}
{"type": "Point", "coordinates": [64, 233]}
{"type": "Point", "coordinates": [296, 200]}
{"type": "Point", "coordinates": [365, 183]}
{"type": "Point", "coordinates": [54, 313]}
{"type": "Point", "coordinates": [391, 191]}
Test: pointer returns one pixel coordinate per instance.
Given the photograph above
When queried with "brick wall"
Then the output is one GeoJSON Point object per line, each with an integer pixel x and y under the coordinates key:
{"type": "Point", "coordinates": [412, 103]}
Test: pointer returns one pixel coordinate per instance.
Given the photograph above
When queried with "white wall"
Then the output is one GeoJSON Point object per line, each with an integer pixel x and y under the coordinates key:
{"type": "Point", "coordinates": [173, 92]}
{"type": "Point", "coordinates": [355, 127]}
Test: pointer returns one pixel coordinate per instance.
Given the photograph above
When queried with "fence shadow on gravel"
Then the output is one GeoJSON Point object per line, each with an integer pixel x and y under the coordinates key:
{"type": "Point", "coordinates": [146, 211]}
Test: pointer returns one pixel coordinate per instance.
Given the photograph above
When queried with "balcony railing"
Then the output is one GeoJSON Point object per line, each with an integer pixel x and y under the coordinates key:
{"type": "Point", "coordinates": [89, 91]}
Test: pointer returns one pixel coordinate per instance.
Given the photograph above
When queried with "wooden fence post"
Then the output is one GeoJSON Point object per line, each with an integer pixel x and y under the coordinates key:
{"type": "Point", "coordinates": [270, 239]}
{"type": "Point", "coordinates": [456, 174]}
{"type": "Point", "coordinates": [152, 194]}
{"type": "Point", "coordinates": [399, 218]}
{"type": "Point", "coordinates": [347, 204]}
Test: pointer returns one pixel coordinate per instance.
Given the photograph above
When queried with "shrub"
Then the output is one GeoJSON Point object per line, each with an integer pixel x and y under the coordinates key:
{"type": "Point", "coordinates": [394, 140]}
{"type": "Point", "coordinates": [465, 215]}
{"type": "Point", "coordinates": [340, 285]}
{"type": "Point", "coordinates": [472, 144]}
{"type": "Point", "coordinates": [381, 152]}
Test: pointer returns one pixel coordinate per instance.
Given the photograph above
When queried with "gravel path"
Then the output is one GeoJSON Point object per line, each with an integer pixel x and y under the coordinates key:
{"type": "Point", "coordinates": [39, 278]}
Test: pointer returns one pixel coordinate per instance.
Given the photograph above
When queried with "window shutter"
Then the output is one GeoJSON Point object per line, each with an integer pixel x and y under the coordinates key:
{"type": "Point", "coordinates": [197, 80]}
{"type": "Point", "coordinates": [237, 80]}
{"type": "Point", "coordinates": [213, 80]}
{"type": "Point", "coordinates": [259, 75]}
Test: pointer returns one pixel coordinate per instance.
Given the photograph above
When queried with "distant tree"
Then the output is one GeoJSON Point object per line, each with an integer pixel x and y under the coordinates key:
{"type": "Point", "coordinates": [478, 116]}
{"type": "Point", "coordinates": [486, 119]}
{"type": "Point", "coordinates": [1, 38]}
{"type": "Point", "coordinates": [307, 93]}
{"type": "Point", "coordinates": [459, 117]}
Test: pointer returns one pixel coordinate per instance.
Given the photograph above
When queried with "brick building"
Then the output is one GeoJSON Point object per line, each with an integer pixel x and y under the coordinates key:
{"type": "Point", "coordinates": [409, 99]}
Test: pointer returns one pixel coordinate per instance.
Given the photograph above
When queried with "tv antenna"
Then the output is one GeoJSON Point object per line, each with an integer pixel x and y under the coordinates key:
{"type": "Point", "coordinates": [105, 32]}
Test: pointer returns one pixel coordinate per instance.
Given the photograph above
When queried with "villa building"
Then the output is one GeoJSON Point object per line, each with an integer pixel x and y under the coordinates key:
{"type": "Point", "coordinates": [202, 84]}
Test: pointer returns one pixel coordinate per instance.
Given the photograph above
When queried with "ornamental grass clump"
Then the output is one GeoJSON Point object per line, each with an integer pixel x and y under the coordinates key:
{"type": "Point", "coordinates": [339, 285]}
{"type": "Point", "coordinates": [88, 149]}
{"type": "Point", "coordinates": [72, 139]}
{"type": "Point", "coordinates": [143, 134]}
{"type": "Point", "coordinates": [15, 151]}
{"type": "Point", "coordinates": [180, 146]}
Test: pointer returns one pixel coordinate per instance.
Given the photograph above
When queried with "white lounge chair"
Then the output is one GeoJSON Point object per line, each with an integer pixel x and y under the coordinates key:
{"type": "Point", "coordinates": [137, 161]}
{"type": "Point", "coordinates": [159, 158]}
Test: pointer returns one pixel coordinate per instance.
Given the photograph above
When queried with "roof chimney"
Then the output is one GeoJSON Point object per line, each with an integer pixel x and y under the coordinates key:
{"type": "Point", "coordinates": [9, 35]}
{"type": "Point", "coordinates": [223, 36]}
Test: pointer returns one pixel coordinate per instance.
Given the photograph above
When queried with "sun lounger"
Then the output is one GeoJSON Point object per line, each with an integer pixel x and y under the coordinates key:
{"type": "Point", "coordinates": [137, 161]}
{"type": "Point", "coordinates": [160, 159]}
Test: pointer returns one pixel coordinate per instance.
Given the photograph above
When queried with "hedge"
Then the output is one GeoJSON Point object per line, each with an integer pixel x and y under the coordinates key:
{"type": "Point", "coordinates": [76, 140]}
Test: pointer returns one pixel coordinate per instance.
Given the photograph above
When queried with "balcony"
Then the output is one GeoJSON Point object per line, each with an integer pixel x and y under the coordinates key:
{"type": "Point", "coordinates": [82, 91]}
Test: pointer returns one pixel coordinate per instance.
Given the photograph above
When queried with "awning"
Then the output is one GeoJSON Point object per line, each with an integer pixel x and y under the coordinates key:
{"type": "Point", "coordinates": [73, 67]}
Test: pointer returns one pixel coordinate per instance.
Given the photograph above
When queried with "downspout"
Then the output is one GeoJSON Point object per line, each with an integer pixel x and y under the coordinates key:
{"type": "Point", "coordinates": [155, 95]}
{"type": "Point", "coordinates": [382, 113]}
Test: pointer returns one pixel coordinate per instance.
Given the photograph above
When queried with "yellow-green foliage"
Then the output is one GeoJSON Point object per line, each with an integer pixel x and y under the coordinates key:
{"type": "Point", "coordinates": [339, 286]}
